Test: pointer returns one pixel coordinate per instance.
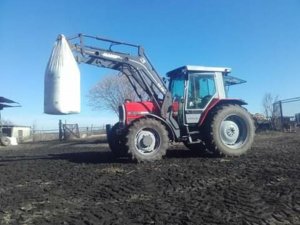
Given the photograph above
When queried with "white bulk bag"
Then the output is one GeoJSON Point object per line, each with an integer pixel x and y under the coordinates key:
{"type": "Point", "coordinates": [62, 81]}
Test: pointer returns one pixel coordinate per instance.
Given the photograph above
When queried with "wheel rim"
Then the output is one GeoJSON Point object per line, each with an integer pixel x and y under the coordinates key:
{"type": "Point", "coordinates": [147, 141]}
{"type": "Point", "coordinates": [233, 131]}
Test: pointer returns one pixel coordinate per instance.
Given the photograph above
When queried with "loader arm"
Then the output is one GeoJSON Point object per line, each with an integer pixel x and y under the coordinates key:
{"type": "Point", "coordinates": [137, 67]}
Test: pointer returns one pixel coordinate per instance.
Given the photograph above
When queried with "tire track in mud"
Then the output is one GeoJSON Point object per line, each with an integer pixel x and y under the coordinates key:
{"type": "Point", "coordinates": [82, 184]}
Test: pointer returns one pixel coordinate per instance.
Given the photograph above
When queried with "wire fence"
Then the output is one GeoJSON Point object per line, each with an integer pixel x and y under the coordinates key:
{"type": "Point", "coordinates": [54, 134]}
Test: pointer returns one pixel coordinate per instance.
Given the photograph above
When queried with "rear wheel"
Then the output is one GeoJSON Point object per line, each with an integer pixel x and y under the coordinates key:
{"type": "Point", "coordinates": [117, 141]}
{"type": "Point", "coordinates": [147, 140]}
{"type": "Point", "coordinates": [232, 131]}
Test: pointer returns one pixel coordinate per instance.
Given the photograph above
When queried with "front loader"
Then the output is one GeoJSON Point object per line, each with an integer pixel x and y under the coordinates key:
{"type": "Point", "coordinates": [193, 109]}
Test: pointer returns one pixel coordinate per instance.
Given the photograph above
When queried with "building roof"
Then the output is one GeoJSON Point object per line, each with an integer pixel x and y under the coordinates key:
{"type": "Point", "coordinates": [4, 100]}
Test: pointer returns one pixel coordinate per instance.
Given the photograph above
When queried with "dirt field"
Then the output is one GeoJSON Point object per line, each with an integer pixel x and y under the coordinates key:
{"type": "Point", "coordinates": [78, 182]}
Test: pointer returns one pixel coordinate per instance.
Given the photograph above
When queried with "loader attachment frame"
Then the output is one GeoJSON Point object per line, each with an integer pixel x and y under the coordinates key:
{"type": "Point", "coordinates": [135, 66]}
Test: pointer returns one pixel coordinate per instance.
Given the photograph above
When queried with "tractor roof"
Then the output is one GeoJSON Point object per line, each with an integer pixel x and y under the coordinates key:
{"type": "Point", "coordinates": [198, 69]}
{"type": "Point", "coordinates": [228, 80]}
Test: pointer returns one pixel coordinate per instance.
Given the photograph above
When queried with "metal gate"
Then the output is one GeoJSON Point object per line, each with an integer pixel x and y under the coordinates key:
{"type": "Point", "coordinates": [286, 114]}
{"type": "Point", "coordinates": [71, 131]}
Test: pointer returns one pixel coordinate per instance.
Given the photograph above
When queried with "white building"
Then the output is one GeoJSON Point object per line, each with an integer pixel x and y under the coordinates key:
{"type": "Point", "coordinates": [21, 133]}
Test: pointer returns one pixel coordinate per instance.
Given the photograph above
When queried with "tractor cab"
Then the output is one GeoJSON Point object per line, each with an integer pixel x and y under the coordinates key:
{"type": "Point", "coordinates": [195, 88]}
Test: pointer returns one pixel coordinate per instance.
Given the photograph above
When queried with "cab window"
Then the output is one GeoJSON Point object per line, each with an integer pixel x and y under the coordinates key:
{"type": "Point", "coordinates": [177, 88]}
{"type": "Point", "coordinates": [201, 89]}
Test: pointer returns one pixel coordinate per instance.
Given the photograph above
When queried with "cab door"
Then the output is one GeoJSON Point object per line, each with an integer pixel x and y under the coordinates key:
{"type": "Point", "coordinates": [177, 88]}
{"type": "Point", "coordinates": [201, 89]}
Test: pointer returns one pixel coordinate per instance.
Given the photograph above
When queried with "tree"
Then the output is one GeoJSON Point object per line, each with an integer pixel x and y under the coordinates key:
{"type": "Point", "coordinates": [6, 122]}
{"type": "Point", "coordinates": [267, 102]}
{"type": "Point", "coordinates": [112, 91]}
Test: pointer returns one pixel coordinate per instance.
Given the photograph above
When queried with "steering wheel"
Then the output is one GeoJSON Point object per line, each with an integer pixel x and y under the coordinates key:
{"type": "Point", "coordinates": [194, 102]}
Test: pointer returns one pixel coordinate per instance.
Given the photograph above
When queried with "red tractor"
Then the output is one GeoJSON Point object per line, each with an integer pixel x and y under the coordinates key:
{"type": "Point", "coordinates": [193, 109]}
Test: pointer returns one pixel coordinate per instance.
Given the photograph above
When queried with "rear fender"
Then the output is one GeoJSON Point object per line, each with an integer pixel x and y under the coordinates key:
{"type": "Point", "coordinates": [218, 102]}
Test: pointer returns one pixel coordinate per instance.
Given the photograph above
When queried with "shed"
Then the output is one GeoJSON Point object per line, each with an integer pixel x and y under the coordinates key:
{"type": "Point", "coordinates": [21, 133]}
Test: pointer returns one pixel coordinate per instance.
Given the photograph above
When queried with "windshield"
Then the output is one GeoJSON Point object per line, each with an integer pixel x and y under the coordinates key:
{"type": "Point", "coordinates": [177, 87]}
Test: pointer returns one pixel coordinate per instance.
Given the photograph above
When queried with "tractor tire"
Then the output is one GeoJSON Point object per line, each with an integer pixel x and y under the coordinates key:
{"type": "Point", "coordinates": [117, 142]}
{"type": "Point", "coordinates": [147, 140]}
{"type": "Point", "coordinates": [231, 131]}
{"type": "Point", "coordinates": [5, 141]}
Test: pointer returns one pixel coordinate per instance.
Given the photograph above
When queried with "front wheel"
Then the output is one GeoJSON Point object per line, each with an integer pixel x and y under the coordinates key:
{"type": "Point", "coordinates": [116, 142]}
{"type": "Point", "coordinates": [232, 131]}
{"type": "Point", "coordinates": [147, 140]}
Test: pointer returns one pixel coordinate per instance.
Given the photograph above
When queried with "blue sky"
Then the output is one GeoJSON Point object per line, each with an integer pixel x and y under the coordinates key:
{"type": "Point", "coordinates": [259, 40]}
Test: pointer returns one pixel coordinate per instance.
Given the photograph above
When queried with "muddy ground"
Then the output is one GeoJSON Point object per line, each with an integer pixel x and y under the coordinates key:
{"type": "Point", "coordinates": [79, 182]}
